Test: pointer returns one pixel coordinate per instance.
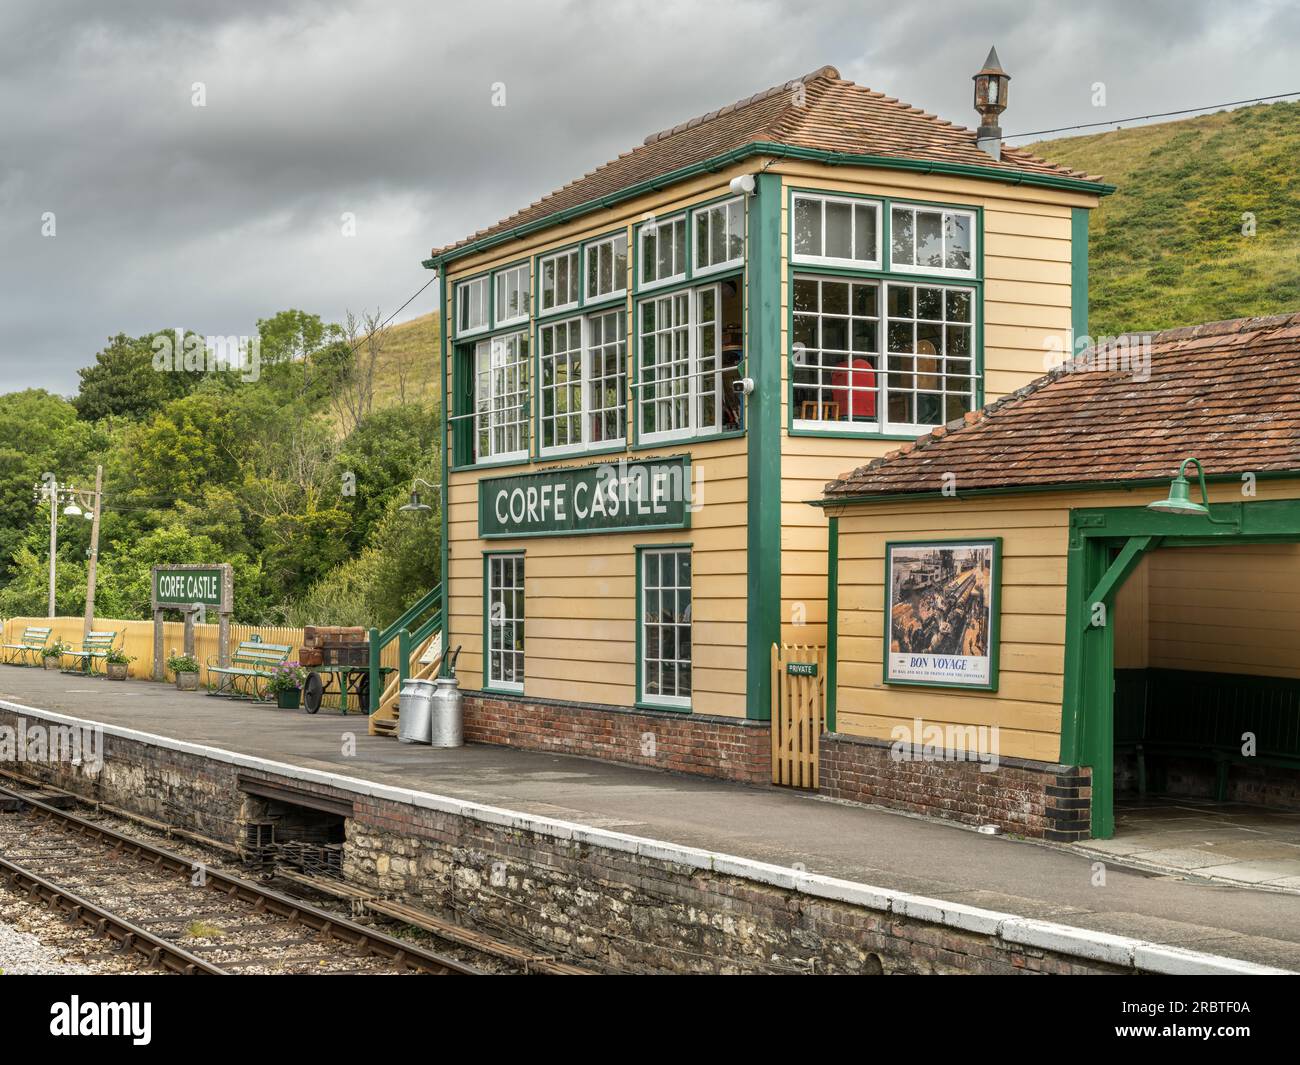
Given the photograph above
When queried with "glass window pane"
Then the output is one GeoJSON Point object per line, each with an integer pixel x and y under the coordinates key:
{"type": "Point", "coordinates": [839, 231]}
{"type": "Point", "coordinates": [807, 227]}
{"type": "Point", "coordinates": [718, 236]}
{"type": "Point", "coordinates": [901, 235]}
{"type": "Point", "coordinates": [929, 239]}
{"type": "Point", "coordinates": [957, 254]}
{"type": "Point", "coordinates": [864, 233]}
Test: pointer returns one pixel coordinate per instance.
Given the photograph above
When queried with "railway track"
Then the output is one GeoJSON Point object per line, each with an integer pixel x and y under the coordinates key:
{"type": "Point", "coordinates": [183, 916]}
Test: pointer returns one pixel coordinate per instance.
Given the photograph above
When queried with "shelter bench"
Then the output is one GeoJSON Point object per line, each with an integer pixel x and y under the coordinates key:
{"type": "Point", "coordinates": [1172, 713]}
{"type": "Point", "coordinates": [250, 668]}
{"type": "Point", "coordinates": [30, 645]}
{"type": "Point", "coordinates": [94, 648]}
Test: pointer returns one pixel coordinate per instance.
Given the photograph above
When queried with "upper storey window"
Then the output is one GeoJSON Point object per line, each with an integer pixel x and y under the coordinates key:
{"type": "Point", "coordinates": [926, 240]}
{"type": "Point", "coordinates": [836, 231]}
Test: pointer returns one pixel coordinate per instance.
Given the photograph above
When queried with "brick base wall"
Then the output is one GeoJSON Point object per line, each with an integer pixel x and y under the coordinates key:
{"type": "Point", "coordinates": [723, 747]}
{"type": "Point", "coordinates": [1041, 800]}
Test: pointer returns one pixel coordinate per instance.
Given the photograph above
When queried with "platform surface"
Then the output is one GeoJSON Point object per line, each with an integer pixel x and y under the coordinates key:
{"type": "Point", "coordinates": [869, 845]}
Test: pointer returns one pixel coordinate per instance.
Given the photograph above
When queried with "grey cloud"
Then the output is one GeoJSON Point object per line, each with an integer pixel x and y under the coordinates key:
{"type": "Point", "coordinates": [209, 218]}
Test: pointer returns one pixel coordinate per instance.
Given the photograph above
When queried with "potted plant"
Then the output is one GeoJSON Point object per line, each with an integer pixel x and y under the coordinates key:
{"type": "Point", "coordinates": [186, 670]}
{"type": "Point", "coordinates": [286, 685]}
{"type": "Point", "coordinates": [52, 655]}
{"type": "Point", "coordinates": [116, 662]}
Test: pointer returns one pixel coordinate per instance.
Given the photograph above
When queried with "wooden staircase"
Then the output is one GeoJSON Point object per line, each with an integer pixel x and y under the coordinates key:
{"type": "Point", "coordinates": [419, 655]}
{"type": "Point", "coordinates": [424, 664]}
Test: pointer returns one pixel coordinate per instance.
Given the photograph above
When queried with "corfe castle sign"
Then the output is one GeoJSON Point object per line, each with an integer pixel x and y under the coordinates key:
{"type": "Point", "coordinates": [610, 497]}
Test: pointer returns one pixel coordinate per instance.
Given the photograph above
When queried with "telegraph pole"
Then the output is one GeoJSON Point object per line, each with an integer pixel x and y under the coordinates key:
{"type": "Point", "coordinates": [52, 488]}
{"type": "Point", "coordinates": [94, 552]}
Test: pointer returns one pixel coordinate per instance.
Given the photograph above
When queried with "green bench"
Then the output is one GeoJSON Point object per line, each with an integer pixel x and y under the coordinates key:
{"type": "Point", "coordinates": [249, 670]}
{"type": "Point", "coordinates": [30, 645]}
{"type": "Point", "coordinates": [94, 648]}
{"type": "Point", "coordinates": [1174, 713]}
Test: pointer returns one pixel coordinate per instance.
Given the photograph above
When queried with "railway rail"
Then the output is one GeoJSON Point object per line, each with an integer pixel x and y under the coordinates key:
{"type": "Point", "coordinates": [181, 915]}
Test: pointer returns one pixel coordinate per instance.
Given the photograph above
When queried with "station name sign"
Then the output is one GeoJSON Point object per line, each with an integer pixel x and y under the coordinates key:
{"type": "Point", "coordinates": [187, 586]}
{"type": "Point", "coordinates": [618, 496]}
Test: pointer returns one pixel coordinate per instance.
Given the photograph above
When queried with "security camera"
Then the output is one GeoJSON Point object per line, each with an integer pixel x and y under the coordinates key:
{"type": "Point", "coordinates": [743, 185]}
{"type": "Point", "coordinates": [743, 386]}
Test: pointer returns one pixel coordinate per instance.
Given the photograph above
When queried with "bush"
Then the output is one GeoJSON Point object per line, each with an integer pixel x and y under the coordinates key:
{"type": "Point", "coordinates": [179, 663]}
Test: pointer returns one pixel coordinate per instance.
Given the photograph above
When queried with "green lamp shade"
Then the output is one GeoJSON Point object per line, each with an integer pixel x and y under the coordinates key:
{"type": "Point", "coordinates": [1179, 500]}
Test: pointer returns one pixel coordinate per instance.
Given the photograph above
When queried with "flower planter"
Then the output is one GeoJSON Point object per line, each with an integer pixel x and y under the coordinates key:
{"type": "Point", "coordinates": [289, 700]}
{"type": "Point", "coordinates": [116, 670]}
{"type": "Point", "coordinates": [187, 682]}
{"type": "Point", "coordinates": [50, 663]}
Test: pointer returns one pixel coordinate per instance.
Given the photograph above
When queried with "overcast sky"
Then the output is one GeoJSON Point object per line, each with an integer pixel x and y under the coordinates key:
{"type": "Point", "coordinates": [207, 218]}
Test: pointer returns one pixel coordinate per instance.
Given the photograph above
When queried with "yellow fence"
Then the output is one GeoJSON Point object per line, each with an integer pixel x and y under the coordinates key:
{"type": "Point", "coordinates": [798, 713]}
{"type": "Point", "coordinates": [137, 640]}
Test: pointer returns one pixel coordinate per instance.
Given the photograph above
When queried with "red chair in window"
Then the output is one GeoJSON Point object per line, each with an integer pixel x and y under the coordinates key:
{"type": "Point", "coordinates": [853, 388]}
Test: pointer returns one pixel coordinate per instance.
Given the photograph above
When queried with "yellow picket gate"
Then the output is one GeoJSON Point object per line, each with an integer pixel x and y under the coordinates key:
{"type": "Point", "coordinates": [798, 713]}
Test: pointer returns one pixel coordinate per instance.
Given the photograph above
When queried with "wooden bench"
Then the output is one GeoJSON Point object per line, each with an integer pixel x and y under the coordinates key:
{"type": "Point", "coordinates": [249, 670]}
{"type": "Point", "coordinates": [1171, 713]}
{"type": "Point", "coordinates": [95, 647]}
{"type": "Point", "coordinates": [30, 646]}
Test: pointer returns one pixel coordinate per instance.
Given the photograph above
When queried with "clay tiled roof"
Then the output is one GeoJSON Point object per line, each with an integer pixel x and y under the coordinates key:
{"type": "Point", "coordinates": [820, 111]}
{"type": "Point", "coordinates": [1226, 392]}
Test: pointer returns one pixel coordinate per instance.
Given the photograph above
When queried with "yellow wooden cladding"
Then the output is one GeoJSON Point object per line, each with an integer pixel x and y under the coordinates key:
{"type": "Point", "coordinates": [1213, 609]}
{"type": "Point", "coordinates": [1027, 301]}
{"type": "Point", "coordinates": [580, 590]}
{"type": "Point", "coordinates": [798, 714]}
{"type": "Point", "coordinates": [1216, 605]}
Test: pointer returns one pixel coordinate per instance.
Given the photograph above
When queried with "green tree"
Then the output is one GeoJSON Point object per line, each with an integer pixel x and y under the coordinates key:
{"type": "Point", "coordinates": [124, 380]}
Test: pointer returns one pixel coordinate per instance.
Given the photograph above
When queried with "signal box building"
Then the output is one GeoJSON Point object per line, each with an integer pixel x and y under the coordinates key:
{"type": "Point", "coordinates": [648, 374]}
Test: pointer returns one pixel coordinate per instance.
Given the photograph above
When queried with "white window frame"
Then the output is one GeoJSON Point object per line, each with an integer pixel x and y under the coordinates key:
{"type": "Point", "coordinates": [680, 257]}
{"type": "Point", "coordinates": [587, 361]}
{"type": "Point", "coordinates": [733, 208]}
{"type": "Point", "coordinates": [502, 278]}
{"type": "Point", "coordinates": [852, 203]}
{"type": "Point", "coordinates": [820, 425]}
{"type": "Point", "coordinates": [495, 413]}
{"type": "Point", "coordinates": [569, 256]}
{"type": "Point", "coordinates": [882, 379]}
{"type": "Point", "coordinates": [463, 288]}
{"type": "Point", "coordinates": [643, 667]}
{"type": "Point", "coordinates": [646, 393]}
{"type": "Point", "coordinates": [496, 583]}
{"type": "Point", "coordinates": [593, 248]}
{"type": "Point", "coordinates": [944, 213]}
{"type": "Point", "coordinates": [569, 325]}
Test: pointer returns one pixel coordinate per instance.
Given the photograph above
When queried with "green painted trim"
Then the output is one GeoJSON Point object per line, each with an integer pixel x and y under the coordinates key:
{"type": "Point", "coordinates": [995, 613]}
{"type": "Point", "coordinates": [1079, 273]}
{"type": "Point", "coordinates": [640, 701]}
{"type": "Point", "coordinates": [763, 423]}
{"type": "Point", "coordinates": [845, 434]}
{"type": "Point", "coordinates": [494, 464]}
{"type": "Point", "coordinates": [832, 621]}
{"type": "Point", "coordinates": [780, 151]}
{"type": "Point", "coordinates": [485, 684]}
{"type": "Point", "coordinates": [1065, 486]}
{"type": "Point", "coordinates": [447, 443]}
{"type": "Point", "coordinates": [1096, 534]}
{"type": "Point", "coordinates": [701, 438]}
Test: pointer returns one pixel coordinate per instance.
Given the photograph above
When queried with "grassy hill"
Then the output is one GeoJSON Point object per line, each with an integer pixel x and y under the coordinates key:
{"type": "Point", "coordinates": [1167, 248]}
{"type": "Point", "coordinates": [413, 346]}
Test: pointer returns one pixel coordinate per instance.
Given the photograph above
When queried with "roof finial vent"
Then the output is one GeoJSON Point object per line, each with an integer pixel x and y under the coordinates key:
{"type": "Point", "coordinates": [990, 102]}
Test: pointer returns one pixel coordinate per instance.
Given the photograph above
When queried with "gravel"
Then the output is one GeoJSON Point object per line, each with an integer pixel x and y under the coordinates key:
{"type": "Point", "coordinates": [23, 954]}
